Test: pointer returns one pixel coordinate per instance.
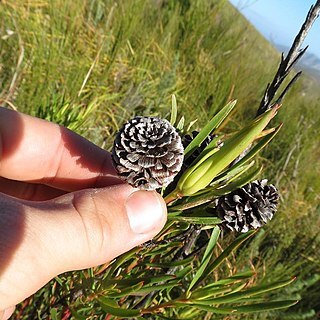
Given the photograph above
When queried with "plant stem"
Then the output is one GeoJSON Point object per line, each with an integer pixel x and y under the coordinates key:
{"type": "Point", "coordinates": [173, 196]}
{"type": "Point", "coordinates": [287, 63]}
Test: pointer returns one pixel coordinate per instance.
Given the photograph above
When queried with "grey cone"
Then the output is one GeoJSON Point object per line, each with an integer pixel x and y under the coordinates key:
{"type": "Point", "coordinates": [147, 152]}
{"type": "Point", "coordinates": [249, 207]}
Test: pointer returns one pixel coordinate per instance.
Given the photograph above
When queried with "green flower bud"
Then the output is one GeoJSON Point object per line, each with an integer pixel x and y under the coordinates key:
{"type": "Point", "coordinates": [201, 174]}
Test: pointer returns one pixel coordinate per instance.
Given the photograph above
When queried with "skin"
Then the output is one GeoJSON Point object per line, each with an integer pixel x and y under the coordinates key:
{"type": "Point", "coordinates": [62, 207]}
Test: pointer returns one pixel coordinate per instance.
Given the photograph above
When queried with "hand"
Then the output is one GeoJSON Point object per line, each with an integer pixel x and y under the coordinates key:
{"type": "Point", "coordinates": [62, 207]}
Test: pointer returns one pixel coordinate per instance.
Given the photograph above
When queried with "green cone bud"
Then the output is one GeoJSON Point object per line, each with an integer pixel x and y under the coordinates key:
{"type": "Point", "coordinates": [201, 174]}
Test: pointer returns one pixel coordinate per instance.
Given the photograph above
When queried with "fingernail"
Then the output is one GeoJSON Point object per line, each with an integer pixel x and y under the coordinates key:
{"type": "Point", "coordinates": [145, 210]}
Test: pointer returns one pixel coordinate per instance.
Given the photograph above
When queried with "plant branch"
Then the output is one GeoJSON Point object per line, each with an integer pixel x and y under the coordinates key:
{"type": "Point", "coordinates": [287, 63]}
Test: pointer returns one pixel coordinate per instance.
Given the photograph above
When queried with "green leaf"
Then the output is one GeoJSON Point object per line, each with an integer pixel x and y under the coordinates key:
{"type": "Point", "coordinates": [259, 146]}
{"type": "Point", "coordinates": [258, 307]}
{"type": "Point", "coordinates": [242, 275]}
{"type": "Point", "coordinates": [216, 310]}
{"type": "Point", "coordinates": [117, 311]}
{"type": "Point", "coordinates": [77, 316]}
{"type": "Point", "coordinates": [124, 283]}
{"type": "Point", "coordinates": [60, 281]}
{"type": "Point", "coordinates": [258, 290]}
{"type": "Point", "coordinates": [207, 298]}
{"type": "Point", "coordinates": [230, 280]}
{"type": "Point", "coordinates": [250, 155]}
{"type": "Point", "coordinates": [197, 178]}
{"type": "Point", "coordinates": [210, 149]}
{"type": "Point", "coordinates": [159, 287]}
{"type": "Point", "coordinates": [183, 272]}
{"type": "Point", "coordinates": [204, 293]}
{"type": "Point", "coordinates": [266, 306]}
{"type": "Point", "coordinates": [54, 314]}
{"type": "Point", "coordinates": [174, 110]}
{"type": "Point", "coordinates": [240, 182]}
{"type": "Point", "coordinates": [110, 302]}
{"type": "Point", "coordinates": [180, 125]}
{"type": "Point", "coordinates": [191, 124]}
{"type": "Point", "coordinates": [127, 291]}
{"type": "Point", "coordinates": [206, 257]}
{"type": "Point", "coordinates": [225, 254]}
{"type": "Point", "coordinates": [171, 263]}
{"type": "Point", "coordinates": [120, 260]}
{"type": "Point", "coordinates": [209, 127]}
{"type": "Point", "coordinates": [232, 173]}
{"type": "Point", "coordinates": [197, 219]}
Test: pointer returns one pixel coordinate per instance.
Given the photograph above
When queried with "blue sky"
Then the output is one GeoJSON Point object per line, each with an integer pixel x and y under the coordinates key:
{"type": "Point", "coordinates": [280, 20]}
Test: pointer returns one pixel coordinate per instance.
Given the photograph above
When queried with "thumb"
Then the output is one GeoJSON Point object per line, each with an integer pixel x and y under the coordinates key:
{"type": "Point", "coordinates": [78, 230]}
{"type": "Point", "coordinates": [97, 225]}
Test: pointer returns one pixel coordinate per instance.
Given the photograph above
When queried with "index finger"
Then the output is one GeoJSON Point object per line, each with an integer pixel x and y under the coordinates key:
{"type": "Point", "coordinates": [36, 150]}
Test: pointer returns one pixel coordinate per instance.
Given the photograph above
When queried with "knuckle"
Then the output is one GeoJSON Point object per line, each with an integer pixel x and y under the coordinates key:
{"type": "Point", "coordinates": [94, 224]}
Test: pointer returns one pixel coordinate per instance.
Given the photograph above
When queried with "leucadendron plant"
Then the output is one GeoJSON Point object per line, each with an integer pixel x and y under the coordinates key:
{"type": "Point", "coordinates": [210, 183]}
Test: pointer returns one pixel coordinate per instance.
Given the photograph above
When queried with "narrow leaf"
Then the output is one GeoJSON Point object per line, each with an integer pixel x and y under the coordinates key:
{"type": "Point", "coordinates": [120, 260]}
{"type": "Point", "coordinates": [267, 306]}
{"type": "Point", "coordinates": [257, 148]}
{"type": "Point", "coordinates": [180, 125]}
{"type": "Point", "coordinates": [206, 257]}
{"type": "Point", "coordinates": [119, 312]}
{"type": "Point", "coordinates": [191, 124]}
{"type": "Point", "coordinates": [174, 110]}
{"type": "Point", "coordinates": [225, 254]}
{"type": "Point", "coordinates": [198, 220]}
{"type": "Point", "coordinates": [183, 272]}
{"type": "Point", "coordinates": [240, 182]}
{"type": "Point", "coordinates": [258, 290]}
{"type": "Point", "coordinates": [159, 287]}
{"type": "Point", "coordinates": [171, 263]}
{"type": "Point", "coordinates": [206, 152]}
{"type": "Point", "coordinates": [109, 302]}
{"type": "Point", "coordinates": [230, 280]}
{"type": "Point", "coordinates": [127, 291]}
{"type": "Point", "coordinates": [196, 179]}
{"type": "Point", "coordinates": [54, 314]}
{"type": "Point", "coordinates": [205, 293]}
{"type": "Point", "coordinates": [209, 127]}
{"type": "Point", "coordinates": [258, 307]}
{"type": "Point", "coordinates": [232, 173]}
{"type": "Point", "coordinates": [124, 283]}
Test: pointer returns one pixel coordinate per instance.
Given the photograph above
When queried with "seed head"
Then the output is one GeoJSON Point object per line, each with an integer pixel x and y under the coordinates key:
{"type": "Point", "coordinates": [249, 207]}
{"type": "Point", "coordinates": [147, 152]}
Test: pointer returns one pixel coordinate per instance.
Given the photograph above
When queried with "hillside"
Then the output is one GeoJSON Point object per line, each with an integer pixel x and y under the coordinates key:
{"type": "Point", "coordinates": [91, 65]}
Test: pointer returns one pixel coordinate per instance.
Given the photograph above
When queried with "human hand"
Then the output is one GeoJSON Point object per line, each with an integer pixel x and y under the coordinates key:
{"type": "Point", "coordinates": [62, 207]}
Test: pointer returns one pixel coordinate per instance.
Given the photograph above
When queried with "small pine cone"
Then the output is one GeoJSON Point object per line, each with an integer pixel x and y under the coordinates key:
{"type": "Point", "coordinates": [147, 152]}
{"type": "Point", "coordinates": [248, 207]}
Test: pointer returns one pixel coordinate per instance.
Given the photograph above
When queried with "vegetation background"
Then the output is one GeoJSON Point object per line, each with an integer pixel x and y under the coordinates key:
{"type": "Point", "coordinates": [91, 65]}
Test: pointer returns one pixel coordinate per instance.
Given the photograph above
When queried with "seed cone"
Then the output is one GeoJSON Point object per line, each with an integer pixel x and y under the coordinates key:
{"type": "Point", "coordinates": [147, 152]}
{"type": "Point", "coordinates": [249, 207]}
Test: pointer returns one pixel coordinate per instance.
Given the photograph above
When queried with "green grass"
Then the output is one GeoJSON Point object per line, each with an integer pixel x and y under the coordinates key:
{"type": "Point", "coordinates": [91, 65]}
